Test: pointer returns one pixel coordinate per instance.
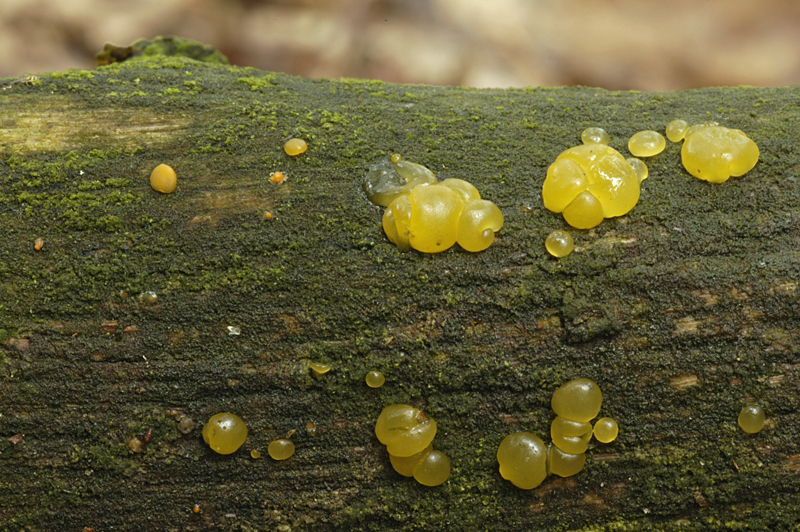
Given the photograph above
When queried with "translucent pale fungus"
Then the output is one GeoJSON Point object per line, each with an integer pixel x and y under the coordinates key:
{"type": "Point", "coordinates": [715, 153]}
{"type": "Point", "coordinates": [38, 244]}
{"type": "Point", "coordinates": [225, 432]}
{"type": "Point", "coordinates": [480, 220]}
{"type": "Point", "coordinates": [676, 130]}
{"type": "Point", "coordinates": [559, 243]}
{"type": "Point", "coordinates": [388, 180]}
{"type": "Point", "coordinates": [646, 143]}
{"type": "Point", "coordinates": [435, 213]}
{"type": "Point", "coordinates": [404, 430]}
{"type": "Point", "coordinates": [565, 464]}
{"type": "Point", "coordinates": [595, 135]}
{"type": "Point", "coordinates": [751, 419]}
{"type": "Point", "coordinates": [186, 425]}
{"type": "Point", "coordinates": [280, 449]}
{"type": "Point", "coordinates": [319, 368]}
{"type": "Point", "coordinates": [148, 297]}
{"type": "Point", "coordinates": [295, 147]}
{"type": "Point", "coordinates": [578, 400]}
{"type": "Point", "coordinates": [163, 179]}
{"type": "Point", "coordinates": [433, 469]}
{"type": "Point", "coordinates": [523, 459]}
{"type": "Point", "coordinates": [406, 465]}
{"type": "Point", "coordinates": [606, 430]}
{"type": "Point", "coordinates": [639, 167]}
{"type": "Point", "coordinates": [375, 379]}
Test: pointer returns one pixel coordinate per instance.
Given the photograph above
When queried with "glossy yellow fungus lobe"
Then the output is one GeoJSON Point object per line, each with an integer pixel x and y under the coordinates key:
{"type": "Point", "coordinates": [588, 183]}
{"type": "Point", "coordinates": [405, 465]}
{"type": "Point", "coordinates": [751, 419]}
{"type": "Point", "coordinates": [639, 167]}
{"type": "Point", "coordinates": [606, 430]}
{"type": "Point", "coordinates": [565, 464]}
{"type": "Point", "coordinates": [572, 444]}
{"type": "Point", "coordinates": [433, 469]}
{"type": "Point", "coordinates": [435, 213]}
{"type": "Point", "coordinates": [163, 179]}
{"type": "Point", "coordinates": [375, 379]}
{"type": "Point", "coordinates": [523, 459]}
{"type": "Point", "coordinates": [255, 454]}
{"type": "Point", "coordinates": [646, 143]}
{"type": "Point", "coordinates": [479, 221]}
{"type": "Point", "coordinates": [277, 177]}
{"type": "Point", "coordinates": [676, 130]}
{"type": "Point", "coordinates": [559, 243]}
{"type": "Point", "coordinates": [715, 153]}
{"type": "Point", "coordinates": [319, 368]}
{"type": "Point", "coordinates": [225, 432]}
{"type": "Point", "coordinates": [295, 147]}
{"type": "Point", "coordinates": [280, 449]}
{"type": "Point", "coordinates": [578, 400]}
{"type": "Point", "coordinates": [595, 135]}
{"type": "Point", "coordinates": [404, 430]}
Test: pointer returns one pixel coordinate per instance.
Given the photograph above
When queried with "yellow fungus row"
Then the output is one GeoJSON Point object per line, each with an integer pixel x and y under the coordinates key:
{"type": "Point", "coordinates": [430, 216]}
{"type": "Point", "coordinates": [408, 435]}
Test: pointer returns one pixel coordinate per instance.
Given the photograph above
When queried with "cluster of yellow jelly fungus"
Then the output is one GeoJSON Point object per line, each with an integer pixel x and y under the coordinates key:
{"type": "Point", "coordinates": [589, 183]}
{"type": "Point", "coordinates": [429, 216]}
{"type": "Point", "coordinates": [595, 135]}
{"type": "Point", "coordinates": [375, 379]}
{"type": "Point", "coordinates": [163, 179]}
{"type": "Point", "coordinates": [559, 243]}
{"type": "Point", "coordinates": [523, 460]}
{"type": "Point", "coordinates": [295, 147]}
{"type": "Point", "coordinates": [714, 153]}
{"type": "Point", "coordinates": [751, 419]}
{"type": "Point", "coordinates": [280, 449]}
{"type": "Point", "coordinates": [646, 143]}
{"type": "Point", "coordinates": [225, 432]}
{"type": "Point", "coordinates": [676, 130]}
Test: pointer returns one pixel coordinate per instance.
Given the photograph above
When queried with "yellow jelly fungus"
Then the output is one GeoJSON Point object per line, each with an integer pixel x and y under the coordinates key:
{"type": "Point", "coordinates": [478, 223]}
{"type": "Point", "coordinates": [571, 444]}
{"type": "Point", "coordinates": [404, 430]}
{"type": "Point", "coordinates": [578, 400]}
{"type": "Point", "coordinates": [676, 130]}
{"type": "Point", "coordinates": [280, 449]}
{"type": "Point", "coordinates": [715, 153]}
{"type": "Point", "coordinates": [559, 243]}
{"type": "Point", "coordinates": [565, 464]}
{"type": "Point", "coordinates": [606, 430]}
{"type": "Point", "coordinates": [387, 181]}
{"type": "Point", "coordinates": [295, 147]}
{"type": "Point", "coordinates": [561, 427]}
{"type": "Point", "coordinates": [466, 190]}
{"type": "Point", "coordinates": [163, 179]}
{"type": "Point", "coordinates": [433, 469]}
{"type": "Point", "coordinates": [435, 213]}
{"type": "Point", "coordinates": [694, 128]}
{"type": "Point", "coordinates": [277, 177]}
{"type": "Point", "coordinates": [38, 244]}
{"type": "Point", "coordinates": [375, 379]}
{"type": "Point", "coordinates": [646, 143]}
{"type": "Point", "coordinates": [319, 368]}
{"type": "Point", "coordinates": [255, 454]}
{"type": "Point", "coordinates": [523, 460]}
{"type": "Point", "coordinates": [225, 432]}
{"type": "Point", "coordinates": [588, 183]}
{"type": "Point", "coordinates": [595, 135]}
{"type": "Point", "coordinates": [395, 222]}
{"type": "Point", "coordinates": [407, 464]}
{"type": "Point", "coordinates": [639, 167]}
{"type": "Point", "coordinates": [751, 419]}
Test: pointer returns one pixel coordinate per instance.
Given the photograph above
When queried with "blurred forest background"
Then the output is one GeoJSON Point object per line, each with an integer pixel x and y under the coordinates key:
{"type": "Point", "coordinates": [615, 44]}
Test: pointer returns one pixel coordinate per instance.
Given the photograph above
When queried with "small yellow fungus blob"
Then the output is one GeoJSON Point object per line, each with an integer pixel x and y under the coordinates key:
{"type": "Point", "coordinates": [406, 465]}
{"type": "Point", "coordinates": [571, 444]}
{"type": "Point", "coordinates": [186, 425]}
{"type": "Point", "coordinates": [395, 222]}
{"type": "Point", "coordinates": [523, 460]}
{"type": "Point", "coordinates": [565, 464]}
{"type": "Point", "coordinates": [295, 147]}
{"type": "Point", "coordinates": [646, 143]}
{"type": "Point", "coordinates": [435, 213]}
{"type": "Point", "coordinates": [268, 215]}
{"type": "Point", "coordinates": [277, 177]}
{"type": "Point", "coordinates": [676, 130]}
{"type": "Point", "coordinates": [148, 297]}
{"type": "Point", "coordinates": [639, 167]}
{"type": "Point", "coordinates": [559, 243]}
{"type": "Point", "coordinates": [433, 469]}
{"type": "Point", "coordinates": [606, 430]}
{"type": "Point", "coordinates": [375, 379]}
{"type": "Point", "coordinates": [715, 153]}
{"type": "Point", "coordinates": [404, 430]}
{"type": "Point", "coordinates": [466, 190]}
{"type": "Point", "coordinates": [319, 368]}
{"type": "Point", "coordinates": [584, 212]}
{"type": "Point", "coordinates": [480, 220]}
{"type": "Point", "coordinates": [751, 419]}
{"type": "Point", "coordinates": [196, 508]}
{"type": "Point", "coordinates": [255, 454]}
{"type": "Point", "coordinates": [595, 135]}
{"type": "Point", "coordinates": [578, 400]}
{"type": "Point", "coordinates": [38, 244]}
{"type": "Point", "coordinates": [225, 432]}
{"type": "Point", "coordinates": [163, 179]}
{"type": "Point", "coordinates": [280, 449]}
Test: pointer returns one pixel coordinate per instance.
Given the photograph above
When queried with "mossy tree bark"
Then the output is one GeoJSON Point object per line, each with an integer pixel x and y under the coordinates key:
{"type": "Point", "coordinates": [683, 311]}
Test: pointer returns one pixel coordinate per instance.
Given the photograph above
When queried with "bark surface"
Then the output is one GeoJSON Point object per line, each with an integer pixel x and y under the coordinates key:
{"type": "Point", "coordinates": [682, 311]}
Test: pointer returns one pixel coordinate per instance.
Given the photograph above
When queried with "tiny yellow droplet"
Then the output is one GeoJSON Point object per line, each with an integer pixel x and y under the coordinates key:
{"type": "Point", "coordinates": [278, 177]}
{"type": "Point", "coordinates": [163, 179]}
{"type": "Point", "coordinates": [375, 379]}
{"type": "Point", "coordinates": [255, 453]}
{"type": "Point", "coordinates": [295, 147]}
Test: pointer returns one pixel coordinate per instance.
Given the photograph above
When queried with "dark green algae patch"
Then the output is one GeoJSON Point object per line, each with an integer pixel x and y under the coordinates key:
{"type": "Point", "coordinates": [682, 310]}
